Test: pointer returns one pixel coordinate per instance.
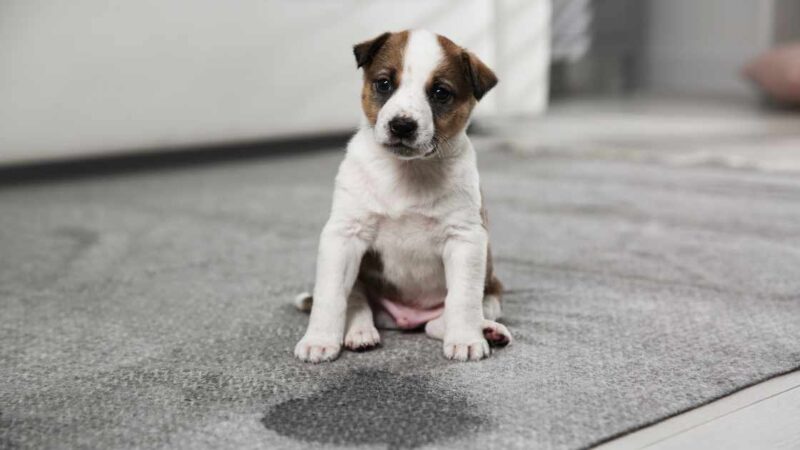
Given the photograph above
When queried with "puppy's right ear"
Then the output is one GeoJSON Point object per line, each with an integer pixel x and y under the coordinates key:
{"type": "Point", "coordinates": [365, 51]}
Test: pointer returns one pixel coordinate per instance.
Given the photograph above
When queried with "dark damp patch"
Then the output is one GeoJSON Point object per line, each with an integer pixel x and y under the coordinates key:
{"type": "Point", "coordinates": [82, 236]}
{"type": "Point", "coordinates": [376, 407]}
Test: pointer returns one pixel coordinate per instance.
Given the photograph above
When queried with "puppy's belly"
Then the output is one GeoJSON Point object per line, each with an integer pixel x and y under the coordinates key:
{"type": "Point", "coordinates": [408, 317]}
{"type": "Point", "coordinates": [408, 280]}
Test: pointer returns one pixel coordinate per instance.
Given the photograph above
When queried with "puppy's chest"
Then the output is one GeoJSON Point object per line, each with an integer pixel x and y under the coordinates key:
{"type": "Point", "coordinates": [410, 247]}
{"type": "Point", "coordinates": [409, 237]}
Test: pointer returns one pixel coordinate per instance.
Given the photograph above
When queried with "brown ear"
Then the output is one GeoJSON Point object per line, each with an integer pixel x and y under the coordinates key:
{"type": "Point", "coordinates": [365, 51]}
{"type": "Point", "coordinates": [480, 77]}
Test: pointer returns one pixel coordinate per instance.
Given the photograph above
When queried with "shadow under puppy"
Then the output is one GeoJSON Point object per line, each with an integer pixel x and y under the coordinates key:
{"type": "Point", "coordinates": [406, 244]}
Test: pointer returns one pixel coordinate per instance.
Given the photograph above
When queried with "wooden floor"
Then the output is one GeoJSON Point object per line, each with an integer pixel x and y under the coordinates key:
{"type": "Point", "coordinates": [765, 416]}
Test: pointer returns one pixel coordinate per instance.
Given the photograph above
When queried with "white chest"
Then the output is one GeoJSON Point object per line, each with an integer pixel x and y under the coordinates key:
{"type": "Point", "coordinates": [411, 250]}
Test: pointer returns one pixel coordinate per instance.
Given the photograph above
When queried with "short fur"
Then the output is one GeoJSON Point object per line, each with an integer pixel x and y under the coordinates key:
{"type": "Point", "coordinates": [408, 224]}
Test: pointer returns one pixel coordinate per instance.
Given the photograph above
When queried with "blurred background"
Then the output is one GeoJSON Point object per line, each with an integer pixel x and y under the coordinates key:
{"type": "Point", "coordinates": [94, 78]}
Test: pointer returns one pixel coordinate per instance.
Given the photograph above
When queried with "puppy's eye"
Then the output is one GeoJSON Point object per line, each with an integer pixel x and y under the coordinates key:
{"type": "Point", "coordinates": [383, 85]}
{"type": "Point", "coordinates": [441, 94]}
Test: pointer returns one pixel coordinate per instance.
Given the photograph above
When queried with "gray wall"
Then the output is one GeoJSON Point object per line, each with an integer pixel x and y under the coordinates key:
{"type": "Point", "coordinates": [700, 46]}
{"type": "Point", "coordinates": [685, 47]}
{"type": "Point", "coordinates": [787, 21]}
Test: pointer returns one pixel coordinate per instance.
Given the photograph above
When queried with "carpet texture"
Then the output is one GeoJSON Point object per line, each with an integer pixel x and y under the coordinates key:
{"type": "Point", "coordinates": [153, 309]}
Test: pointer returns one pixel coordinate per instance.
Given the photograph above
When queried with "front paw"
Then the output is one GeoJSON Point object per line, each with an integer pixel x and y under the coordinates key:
{"type": "Point", "coordinates": [466, 350]}
{"type": "Point", "coordinates": [317, 349]}
{"type": "Point", "coordinates": [359, 339]}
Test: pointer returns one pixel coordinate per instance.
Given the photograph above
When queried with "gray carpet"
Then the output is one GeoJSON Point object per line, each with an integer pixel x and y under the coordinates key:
{"type": "Point", "coordinates": [152, 310]}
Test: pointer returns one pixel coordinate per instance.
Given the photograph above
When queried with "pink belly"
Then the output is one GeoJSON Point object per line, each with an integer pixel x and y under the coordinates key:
{"type": "Point", "coordinates": [408, 317]}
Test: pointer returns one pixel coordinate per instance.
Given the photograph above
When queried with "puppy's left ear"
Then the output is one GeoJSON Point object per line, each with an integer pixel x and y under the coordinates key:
{"type": "Point", "coordinates": [479, 75]}
{"type": "Point", "coordinates": [365, 51]}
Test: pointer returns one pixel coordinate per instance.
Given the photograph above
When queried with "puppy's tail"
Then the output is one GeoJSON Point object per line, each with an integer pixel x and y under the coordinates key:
{"type": "Point", "coordinates": [303, 302]}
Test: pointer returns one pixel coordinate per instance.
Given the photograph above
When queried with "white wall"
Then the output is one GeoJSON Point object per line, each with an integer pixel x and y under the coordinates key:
{"type": "Point", "coordinates": [521, 40]}
{"type": "Point", "coordinates": [95, 76]}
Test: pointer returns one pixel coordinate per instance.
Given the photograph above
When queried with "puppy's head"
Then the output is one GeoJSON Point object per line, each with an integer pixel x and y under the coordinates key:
{"type": "Point", "coordinates": [419, 90]}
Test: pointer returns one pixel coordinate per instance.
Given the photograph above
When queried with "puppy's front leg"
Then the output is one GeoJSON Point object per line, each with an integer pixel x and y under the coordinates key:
{"type": "Point", "coordinates": [464, 260]}
{"type": "Point", "coordinates": [340, 252]}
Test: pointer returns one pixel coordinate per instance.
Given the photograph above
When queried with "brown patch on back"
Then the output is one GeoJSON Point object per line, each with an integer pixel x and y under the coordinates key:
{"type": "Point", "coordinates": [491, 285]}
{"type": "Point", "coordinates": [385, 61]}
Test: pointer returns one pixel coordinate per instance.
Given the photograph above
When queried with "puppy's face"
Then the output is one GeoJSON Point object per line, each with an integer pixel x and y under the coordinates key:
{"type": "Point", "coordinates": [419, 90]}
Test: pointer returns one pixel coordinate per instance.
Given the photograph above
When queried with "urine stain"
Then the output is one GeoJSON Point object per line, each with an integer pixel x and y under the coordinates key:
{"type": "Point", "coordinates": [377, 407]}
{"type": "Point", "coordinates": [83, 237]}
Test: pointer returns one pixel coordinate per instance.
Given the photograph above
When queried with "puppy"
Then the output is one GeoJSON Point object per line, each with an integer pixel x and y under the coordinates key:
{"type": "Point", "coordinates": [406, 244]}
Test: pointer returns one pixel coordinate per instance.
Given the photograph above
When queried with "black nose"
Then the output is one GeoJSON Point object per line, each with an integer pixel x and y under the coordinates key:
{"type": "Point", "coordinates": [402, 127]}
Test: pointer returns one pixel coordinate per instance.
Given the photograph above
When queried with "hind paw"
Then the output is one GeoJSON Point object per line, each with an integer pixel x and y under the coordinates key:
{"type": "Point", "coordinates": [496, 333]}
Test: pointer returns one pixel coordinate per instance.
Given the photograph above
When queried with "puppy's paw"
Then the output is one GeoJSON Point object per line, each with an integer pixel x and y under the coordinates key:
{"type": "Point", "coordinates": [467, 351]}
{"type": "Point", "coordinates": [362, 338]}
{"type": "Point", "coordinates": [313, 349]}
{"type": "Point", "coordinates": [496, 333]}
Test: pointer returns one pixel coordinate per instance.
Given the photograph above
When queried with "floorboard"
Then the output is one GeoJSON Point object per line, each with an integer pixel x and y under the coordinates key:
{"type": "Point", "coordinates": [764, 416]}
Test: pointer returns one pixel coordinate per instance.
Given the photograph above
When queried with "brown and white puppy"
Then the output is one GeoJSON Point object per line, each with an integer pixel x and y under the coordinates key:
{"type": "Point", "coordinates": [406, 244]}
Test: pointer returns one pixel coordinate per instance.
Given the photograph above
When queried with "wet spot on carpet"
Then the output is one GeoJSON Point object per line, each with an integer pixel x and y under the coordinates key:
{"type": "Point", "coordinates": [379, 408]}
{"type": "Point", "coordinates": [83, 237]}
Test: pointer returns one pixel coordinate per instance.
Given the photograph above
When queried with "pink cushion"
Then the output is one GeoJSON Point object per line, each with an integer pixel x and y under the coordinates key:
{"type": "Point", "coordinates": [777, 72]}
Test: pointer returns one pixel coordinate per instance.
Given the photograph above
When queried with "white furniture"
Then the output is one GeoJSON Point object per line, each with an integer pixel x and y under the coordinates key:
{"type": "Point", "coordinates": [94, 77]}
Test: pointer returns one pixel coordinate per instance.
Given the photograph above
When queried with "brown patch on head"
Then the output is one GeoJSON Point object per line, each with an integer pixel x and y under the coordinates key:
{"type": "Point", "coordinates": [381, 59]}
{"type": "Point", "coordinates": [466, 78]}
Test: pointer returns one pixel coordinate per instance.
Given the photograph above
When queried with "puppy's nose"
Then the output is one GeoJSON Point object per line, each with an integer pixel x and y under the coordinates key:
{"type": "Point", "coordinates": [402, 127]}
